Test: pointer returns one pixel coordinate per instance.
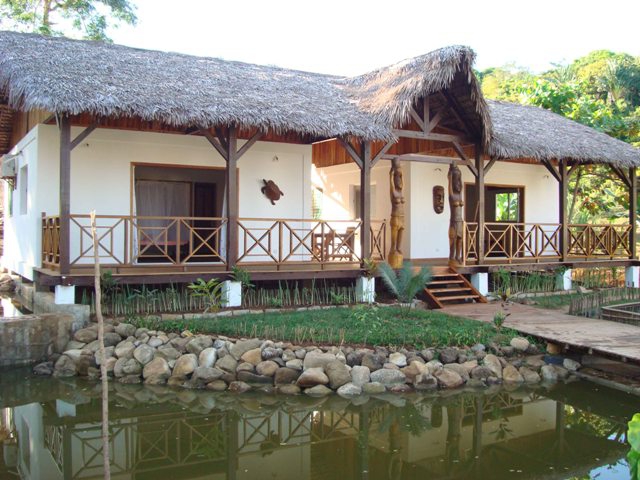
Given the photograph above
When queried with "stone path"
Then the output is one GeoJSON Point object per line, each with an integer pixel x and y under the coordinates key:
{"type": "Point", "coordinates": [611, 338]}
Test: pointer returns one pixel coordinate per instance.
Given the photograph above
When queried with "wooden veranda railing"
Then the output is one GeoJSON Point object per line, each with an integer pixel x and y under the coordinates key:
{"type": "Point", "coordinates": [128, 240]}
{"type": "Point", "coordinates": [273, 241]}
{"type": "Point", "coordinates": [541, 242]}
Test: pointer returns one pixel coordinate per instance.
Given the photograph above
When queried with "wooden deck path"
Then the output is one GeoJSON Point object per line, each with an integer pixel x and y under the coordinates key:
{"type": "Point", "coordinates": [617, 340]}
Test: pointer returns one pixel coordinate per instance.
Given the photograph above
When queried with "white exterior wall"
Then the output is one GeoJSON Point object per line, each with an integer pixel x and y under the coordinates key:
{"type": "Point", "coordinates": [426, 232]}
{"type": "Point", "coordinates": [101, 180]}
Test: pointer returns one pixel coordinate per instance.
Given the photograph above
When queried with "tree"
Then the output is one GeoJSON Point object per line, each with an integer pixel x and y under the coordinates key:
{"type": "Point", "coordinates": [91, 18]}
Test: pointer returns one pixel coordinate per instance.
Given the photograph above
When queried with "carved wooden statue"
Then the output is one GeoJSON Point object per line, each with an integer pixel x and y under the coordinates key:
{"type": "Point", "coordinates": [271, 191]}
{"type": "Point", "coordinates": [438, 199]}
{"type": "Point", "coordinates": [396, 184]}
{"type": "Point", "coordinates": [456, 222]}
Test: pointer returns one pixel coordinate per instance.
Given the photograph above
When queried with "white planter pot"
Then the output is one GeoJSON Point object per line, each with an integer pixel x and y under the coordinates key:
{"type": "Point", "coordinates": [366, 289]}
{"type": "Point", "coordinates": [231, 294]}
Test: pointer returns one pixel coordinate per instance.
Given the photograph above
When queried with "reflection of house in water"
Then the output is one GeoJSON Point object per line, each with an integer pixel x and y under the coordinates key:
{"type": "Point", "coordinates": [461, 437]}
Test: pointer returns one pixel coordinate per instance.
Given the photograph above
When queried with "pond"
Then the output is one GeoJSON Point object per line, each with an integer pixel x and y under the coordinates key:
{"type": "Point", "coordinates": [50, 429]}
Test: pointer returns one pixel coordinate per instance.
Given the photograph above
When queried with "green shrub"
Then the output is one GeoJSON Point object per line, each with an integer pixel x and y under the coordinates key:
{"type": "Point", "coordinates": [404, 284]}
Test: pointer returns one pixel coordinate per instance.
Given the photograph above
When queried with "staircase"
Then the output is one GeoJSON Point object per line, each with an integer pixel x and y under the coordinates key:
{"type": "Point", "coordinates": [448, 287]}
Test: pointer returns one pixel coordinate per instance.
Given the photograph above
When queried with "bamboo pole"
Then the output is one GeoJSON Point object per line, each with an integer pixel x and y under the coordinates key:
{"type": "Point", "coordinates": [103, 365]}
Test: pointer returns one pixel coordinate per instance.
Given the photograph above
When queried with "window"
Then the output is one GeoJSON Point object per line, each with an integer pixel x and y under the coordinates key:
{"type": "Point", "coordinates": [507, 207]}
{"type": "Point", "coordinates": [23, 185]}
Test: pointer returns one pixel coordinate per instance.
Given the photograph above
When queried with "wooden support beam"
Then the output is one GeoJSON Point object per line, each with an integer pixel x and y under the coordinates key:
{"type": "Point", "coordinates": [365, 200]}
{"type": "Point", "coordinates": [633, 211]}
{"type": "Point", "coordinates": [65, 194]}
{"type": "Point", "coordinates": [417, 157]}
{"type": "Point", "coordinates": [489, 165]}
{"type": "Point", "coordinates": [563, 192]}
{"type": "Point", "coordinates": [459, 113]}
{"type": "Point", "coordinates": [222, 137]}
{"type": "Point", "coordinates": [465, 159]}
{"type": "Point", "coordinates": [84, 134]}
{"type": "Point", "coordinates": [351, 151]}
{"type": "Point", "coordinates": [480, 192]}
{"type": "Point", "coordinates": [437, 137]}
{"type": "Point", "coordinates": [552, 170]}
{"type": "Point", "coordinates": [381, 153]}
{"type": "Point", "coordinates": [215, 142]}
{"type": "Point", "coordinates": [622, 175]}
{"type": "Point", "coordinates": [573, 168]}
{"type": "Point", "coordinates": [426, 113]}
{"type": "Point", "coordinates": [417, 119]}
{"type": "Point", "coordinates": [433, 123]}
{"type": "Point", "coordinates": [249, 143]}
{"type": "Point", "coordinates": [232, 197]}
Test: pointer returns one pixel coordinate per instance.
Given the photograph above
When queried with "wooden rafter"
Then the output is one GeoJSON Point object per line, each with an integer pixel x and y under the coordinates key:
{"type": "Point", "coordinates": [249, 143]}
{"type": "Point", "coordinates": [622, 175]}
{"type": "Point", "coordinates": [351, 151]}
{"type": "Point", "coordinates": [489, 165]}
{"type": "Point", "coordinates": [417, 119]}
{"type": "Point", "coordinates": [381, 153]}
{"type": "Point", "coordinates": [458, 113]}
{"type": "Point", "coordinates": [552, 170]}
{"type": "Point", "coordinates": [465, 160]}
{"type": "Point", "coordinates": [84, 134]}
{"type": "Point", "coordinates": [215, 142]}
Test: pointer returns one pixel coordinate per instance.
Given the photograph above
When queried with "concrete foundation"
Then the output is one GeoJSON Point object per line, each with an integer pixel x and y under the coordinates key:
{"type": "Point", "coordinates": [365, 289]}
{"type": "Point", "coordinates": [32, 338]}
{"type": "Point", "coordinates": [631, 275]}
{"type": "Point", "coordinates": [564, 280]}
{"type": "Point", "coordinates": [231, 294]}
{"type": "Point", "coordinates": [65, 295]}
{"type": "Point", "coordinates": [45, 302]}
{"type": "Point", "coordinates": [480, 282]}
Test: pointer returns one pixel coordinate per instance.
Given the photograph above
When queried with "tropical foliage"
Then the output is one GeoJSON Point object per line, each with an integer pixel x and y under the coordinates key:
{"type": "Point", "coordinates": [406, 283]}
{"type": "Point", "coordinates": [601, 90]}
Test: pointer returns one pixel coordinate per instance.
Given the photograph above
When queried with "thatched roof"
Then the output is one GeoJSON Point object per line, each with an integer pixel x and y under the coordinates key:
{"type": "Point", "coordinates": [521, 131]}
{"type": "Point", "coordinates": [69, 76]}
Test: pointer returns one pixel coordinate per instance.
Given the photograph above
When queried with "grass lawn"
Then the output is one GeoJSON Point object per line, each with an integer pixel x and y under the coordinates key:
{"type": "Point", "coordinates": [359, 325]}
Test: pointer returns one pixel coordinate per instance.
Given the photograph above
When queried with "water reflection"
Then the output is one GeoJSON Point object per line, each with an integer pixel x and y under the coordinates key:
{"type": "Point", "coordinates": [570, 431]}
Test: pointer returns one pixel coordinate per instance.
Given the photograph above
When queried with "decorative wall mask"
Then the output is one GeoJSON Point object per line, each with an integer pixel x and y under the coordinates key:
{"type": "Point", "coordinates": [271, 191]}
{"type": "Point", "coordinates": [438, 199]}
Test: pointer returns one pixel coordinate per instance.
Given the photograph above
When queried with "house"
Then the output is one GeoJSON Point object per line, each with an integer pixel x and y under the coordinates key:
{"type": "Point", "coordinates": [197, 165]}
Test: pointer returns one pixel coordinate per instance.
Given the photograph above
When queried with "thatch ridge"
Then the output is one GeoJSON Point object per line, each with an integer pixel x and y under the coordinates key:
{"type": "Point", "coordinates": [522, 131]}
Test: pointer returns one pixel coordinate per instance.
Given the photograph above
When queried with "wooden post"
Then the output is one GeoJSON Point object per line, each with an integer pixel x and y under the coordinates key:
{"type": "Point", "coordinates": [65, 193]}
{"type": "Point", "coordinates": [481, 202]}
{"type": "Point", "coordinates": [562, 209]}
{"type": "Point", "coordinates": [365, 201]}
{"type": "Point", "coordinates": [232, 197]}
{"type": "Point", "coordinates": [633, 206]}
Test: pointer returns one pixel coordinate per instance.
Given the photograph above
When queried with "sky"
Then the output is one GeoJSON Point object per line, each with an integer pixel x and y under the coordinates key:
{"type": "Point", "coordinates": [350, 37]}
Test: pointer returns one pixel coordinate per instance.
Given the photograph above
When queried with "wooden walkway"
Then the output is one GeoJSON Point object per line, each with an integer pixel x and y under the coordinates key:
{"type": "Point", "coordinates": [617, 340]}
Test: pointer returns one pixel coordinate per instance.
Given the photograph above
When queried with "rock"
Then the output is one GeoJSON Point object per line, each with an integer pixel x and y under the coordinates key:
{"type": "Point", "coordinates": [241, 346]}
{"type": "Point", "coordinates": [571, 365]}
{"type": "Point", "coordinates": [144, 354]}
{"type": "Point", "coordinates": [338, 374]}
{"type": "Point", "coordinates": [549, 373]}
{"type": "Point", "coordinates": [227, 363]}
{"type": "Point", "coordinates": [185, 365]}
{"type": "Point", "coordinates": [285, 376]}
{"type": "Point", "coordinates": [360, 375]}
{"type": "Point", "coordinates": [239, 387]}
{"type": "Point", "coordinates": [448, 379]}
{"type": "Point", "coordinates": [535, 362]}
{"type": "Point", "coordinates": [270, 352]}
{"type": "Point", "coordinates": [156, 372]}
{"type": "Point", "coordinates": [470, 365]}
{"type": "Point", "coordinates": [155, 342]}
{"type": "Point", "coordinates": [267, 368]}
{"type": "Point", "coordinates": [73, 354]}
{"type": "Point", "coordinates": [476, 383]}
{"type": "Point", "coordinates": [312, 377]}
{"type": "Point", "coordinates": [175, 381]}
{"type": "Point", "coordinates": [388, 377]}
{"type": "Point", "coordinates": [562, 372]}
{"type": "Point", "coordinates": [493, 363]}
{"type": "Point", "coordinates": [45, 368]}
{"type": "Point", "coordinates": [124, 349]}
{"type": "Point", "coordinates": [425, 382]}
{"type": "Point", "coordinates": [316, 358]}
{"type": "Point", "coordinates": [289, 389]}
{"type": "Point", "coordinates": [125, 330]}
{"type": "Point", "coordinates": [130, 379]}
{"type": "Point", "coordinates": [554, 348]}
{"type": "Point", "coordinates": [74, 345]}
{"type": "Point", "coordinates": [400, 388]}
{"type": "Point", "coordinates": [253, 379]}
{"type": "Point", "coordinates": [520, 344]}
{"type": "Point", "coordinates": [510, 374]}
{"type": "Point", "coordinates": [301, 353]}
{"type": "Point", "coordinates": [373, 361]}
{"type": "Point", "coordinates": [199, 343]}
{"type": "Point", "coordinates": [428, 354]}
{"type": "Point", "coordinates": [528, 375]}
{"type": "Point", "coordinates": [318, 391]}
{"type": "Point", "coordinates": [65, 367]}
{"type": "Point", "coordinates": [508, 351]}
{"type": "Point", "coordinates": [108, 353]}
{"type": "Point", "coordinates": [253, 356]}
{"type": "Point", "coordinates": [373, 388]}
{"type": "Point", "coordinates": [434, 366]}
{"type": "Point", "coordinates": [86, 335]}
{"type": "Point", "coordinates": [349, 390]}
{"type": "Point", "coordinates": [449, 355]}
{"type": "Point", "coordinates": [481, 372]}
{"type": "Point", "coordinates": [413, 370]}
{"type": "Point", "coordinates": [398, 359]}
{"type": "Point", "coordinates": [288, 355]}
{"type": "Point", "coordinates": [478, 347]}
{"type": "Point", "coordinates": [459, 369]}
{"type": "Point", "coordinates": [168, 353]}
{"type": "Point", "coordinates": [245, 367]}
{"type": "Point", "coordinates": [217, 385]}
{"type": "Point", "coordinates": [391, 366]}
{"type": "Point", "coordinates": [295, 364]}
